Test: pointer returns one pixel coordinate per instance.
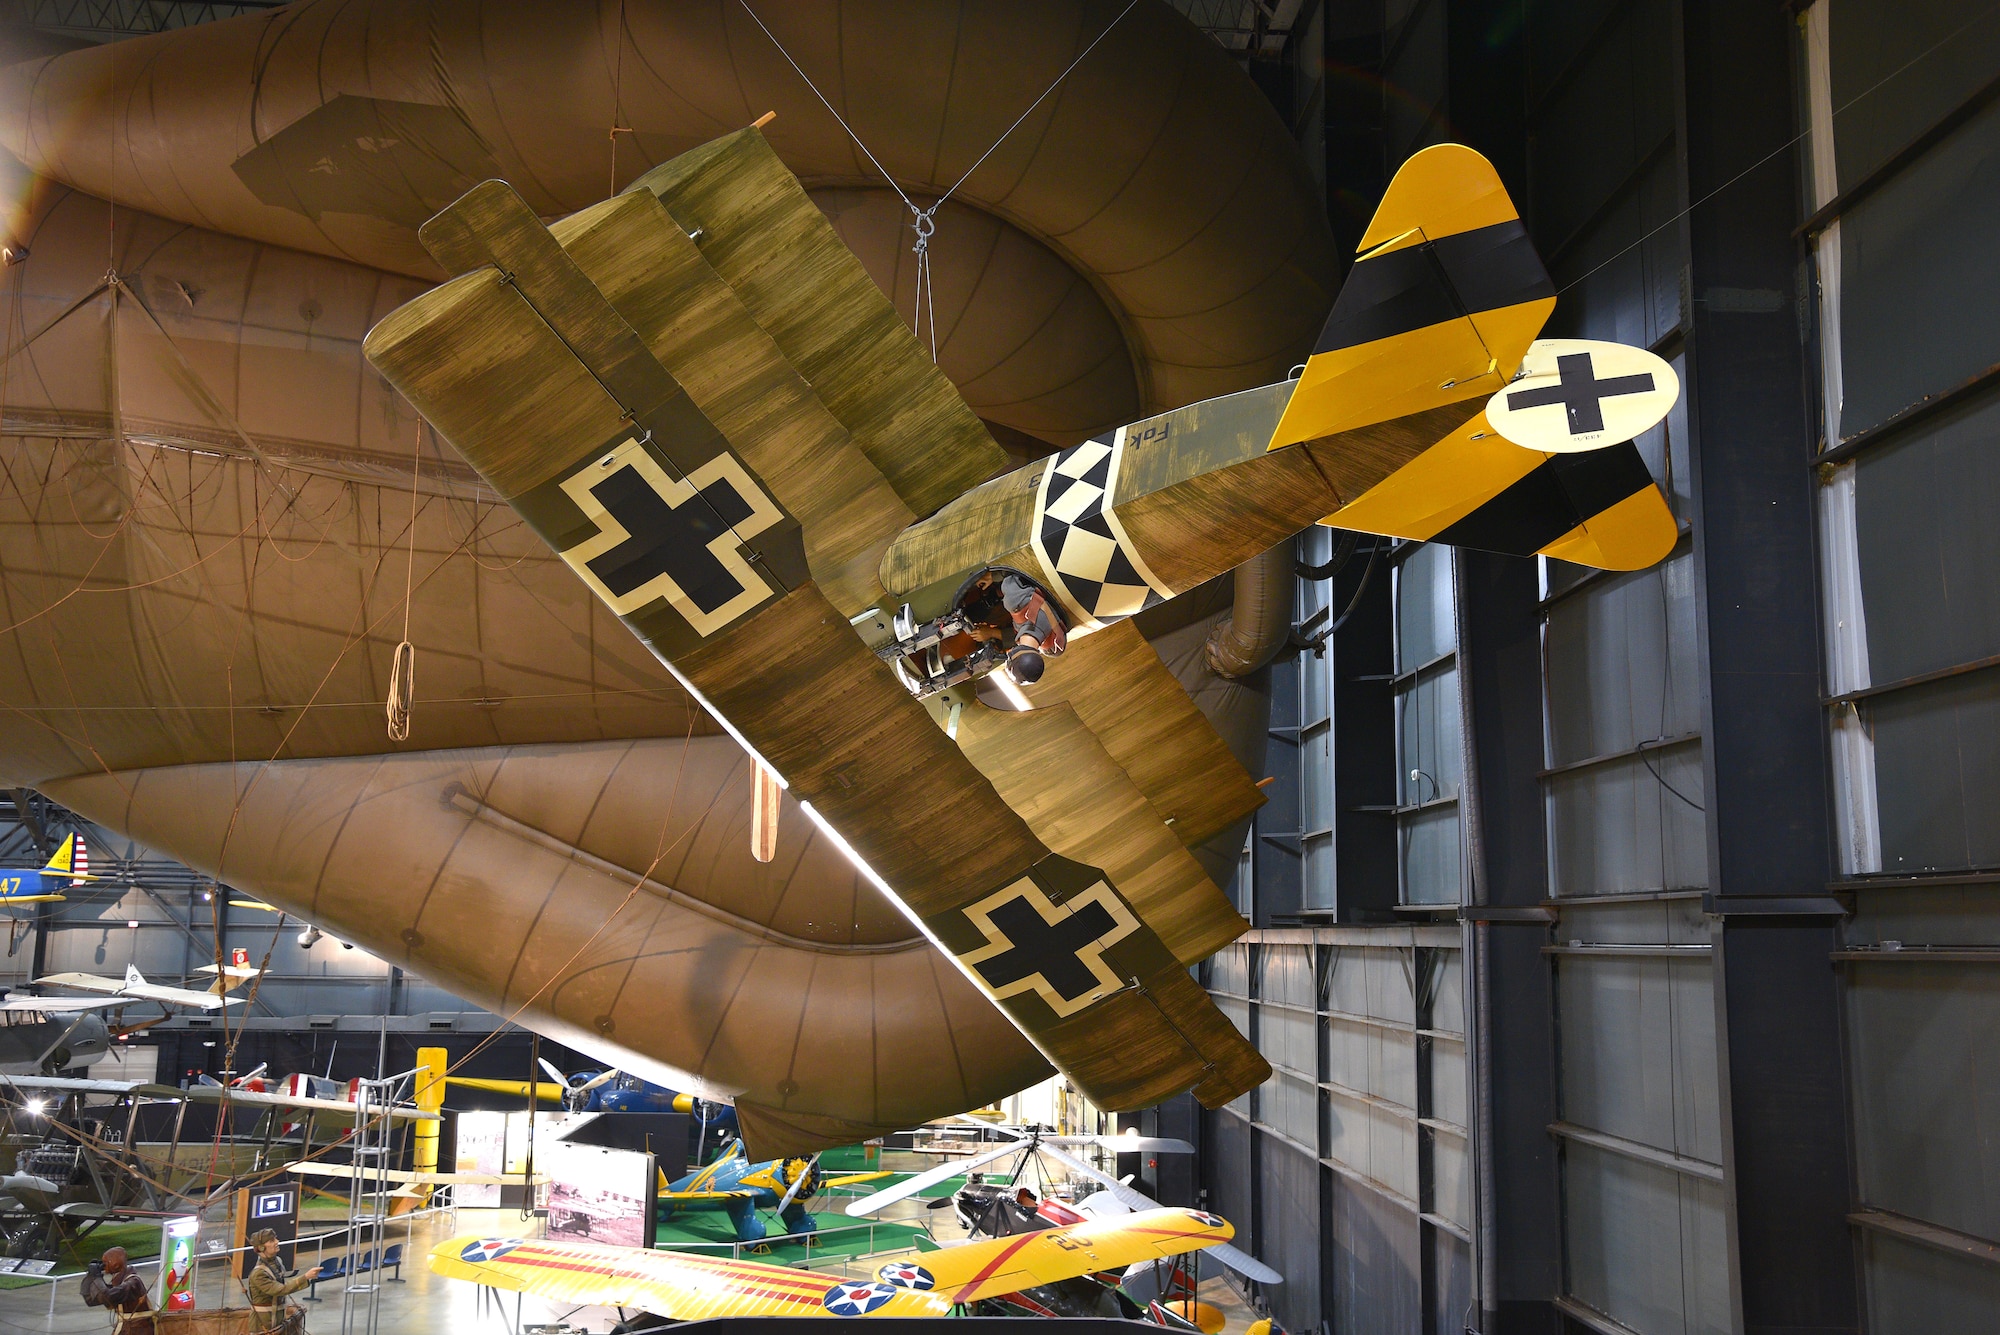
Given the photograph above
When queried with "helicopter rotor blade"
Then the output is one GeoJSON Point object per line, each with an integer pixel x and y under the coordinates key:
{"type": "Point", "coordinates": [1240, 1261]}
{"type": "Point", "coordinates": [1129, 1142]}
{"type": "Point", "coordinates": [929, 1178]}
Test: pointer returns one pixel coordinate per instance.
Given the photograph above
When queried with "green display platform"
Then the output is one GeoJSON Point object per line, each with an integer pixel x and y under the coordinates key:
{"type": "Point", "coordinates": [708, 1231]}
{"type": "Point", "coordinates": [140, 1239]}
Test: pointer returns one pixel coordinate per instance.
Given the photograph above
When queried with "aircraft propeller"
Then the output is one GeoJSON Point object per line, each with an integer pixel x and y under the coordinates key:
{"type": "Point", "coordinates": [805, 1175]}
{"type": "Point", "coordinates": [574, 1088]}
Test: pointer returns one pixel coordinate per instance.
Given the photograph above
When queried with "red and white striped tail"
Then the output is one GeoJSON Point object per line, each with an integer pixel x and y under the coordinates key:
{"type": "Point", "coordinates": [79, 866]}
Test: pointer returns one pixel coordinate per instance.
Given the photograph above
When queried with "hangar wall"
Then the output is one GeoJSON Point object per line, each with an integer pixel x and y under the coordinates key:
{"type": "Point", "coordinates": [1905, 177]}
{"type": "Point", "coordinates": [1713, 840]}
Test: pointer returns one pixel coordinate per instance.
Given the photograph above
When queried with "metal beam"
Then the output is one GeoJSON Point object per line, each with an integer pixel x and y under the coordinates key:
{"type": "Point", "coordinates": [110, 20]}
{"type": "Point", "coordinates": [1751, 431]}
{"type": "Point", "coordinates": [1509, 986]}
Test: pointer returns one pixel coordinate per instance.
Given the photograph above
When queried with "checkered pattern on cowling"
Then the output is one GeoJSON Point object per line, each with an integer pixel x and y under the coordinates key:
{"type": "Point", "coordinates": [1087, 557]}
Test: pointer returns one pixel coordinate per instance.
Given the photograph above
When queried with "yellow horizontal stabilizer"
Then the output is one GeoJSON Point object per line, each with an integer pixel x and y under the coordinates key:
{"type": "Point", "coordinates": [1441, 486]}
{"type": "Point", "coordinates": [1476, 489]}
{"type": "Point", "coordinates": [33, 899]}
{"type": "Point", "coordinates": [1630, 535]}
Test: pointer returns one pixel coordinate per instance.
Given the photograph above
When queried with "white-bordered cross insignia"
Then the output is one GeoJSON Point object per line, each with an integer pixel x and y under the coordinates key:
{"type": "Point", "coordinates": [681, 540]}
{"type": "Point", "coordinates": [1054, 950]}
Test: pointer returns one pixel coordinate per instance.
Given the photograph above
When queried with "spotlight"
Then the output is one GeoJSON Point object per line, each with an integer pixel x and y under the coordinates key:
{"type": "Point", "coordinates": [36, 1107]}
{"type": "Point", "coordinates": [309, 938]}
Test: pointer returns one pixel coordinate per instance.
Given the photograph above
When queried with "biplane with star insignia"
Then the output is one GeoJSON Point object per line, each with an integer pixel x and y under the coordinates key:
{"type": "Point", "coordinates": [696, 396]}
{"type": "Point", "coordinates": [684, 1287]}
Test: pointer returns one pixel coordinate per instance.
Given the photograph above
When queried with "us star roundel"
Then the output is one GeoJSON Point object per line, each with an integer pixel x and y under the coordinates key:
{"type": "Point", "coordinates": [677, 539]}
{"type": "Point", "coordinates": [1204, 1219]}
{"type": "Point", "coordinates": [1054, 950]}
{"type": "Point", "coordinates": [905, 1275]}
{"type": "Point", "coordinates": [488, 1249]}
{"type": "Point", "coordinates": [857, 1298]}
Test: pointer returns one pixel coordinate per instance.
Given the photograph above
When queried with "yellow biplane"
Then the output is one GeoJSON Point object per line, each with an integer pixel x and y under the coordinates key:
{"type": "Point", "coordinates": [683, 1287]}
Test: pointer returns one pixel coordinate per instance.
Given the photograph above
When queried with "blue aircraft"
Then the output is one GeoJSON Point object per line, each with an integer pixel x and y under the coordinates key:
{"type": "Point", "coordinates": [616, 1091]}
{"type": "Point", "coordinates": [21, 885]}
{"type": "Point", "coordinates": [743, 1188]}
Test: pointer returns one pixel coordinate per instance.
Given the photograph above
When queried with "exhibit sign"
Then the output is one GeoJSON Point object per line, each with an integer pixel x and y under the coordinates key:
{"type": "Point", "coordinates": [177, 1235]}
{"type": "Point", "coordinates": [599, 1195]}
{"type": "Point", "coordinates": [274, 1206]}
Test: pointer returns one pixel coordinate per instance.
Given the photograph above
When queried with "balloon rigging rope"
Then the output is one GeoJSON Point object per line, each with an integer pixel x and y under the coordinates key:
{"type": "Point", "coordinates": [403, 667]}
{"type": "Point", "coordinates": [923, 308]}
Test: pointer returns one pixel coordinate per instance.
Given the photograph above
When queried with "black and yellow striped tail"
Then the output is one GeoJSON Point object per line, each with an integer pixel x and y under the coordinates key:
{"type": "Point", "coordinates": [1440, 307]}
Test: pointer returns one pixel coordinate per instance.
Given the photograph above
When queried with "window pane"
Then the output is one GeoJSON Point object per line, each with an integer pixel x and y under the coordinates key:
{"type": "Point", "coordinates": [1429, 851]}
{"type": "Point", "coordinates": [1616, 828]}
{"type": "Point", "coordinates": [1869, 44]}
{"type": "Point", "coordinates": [1937, 773]}
{"type": "Point", "coordinates": [1424, 624]}
{"type": "Point", "coordinates": [1320, 892]}
{"type": "Point", "coordinates": [1621, 663]}
{"type": "Point", "coordinates": [1428, 741]}
{"type": "Point", "coordinates": [1919, 277]}
{"type": "Point", "coordinates": [1927, 545]}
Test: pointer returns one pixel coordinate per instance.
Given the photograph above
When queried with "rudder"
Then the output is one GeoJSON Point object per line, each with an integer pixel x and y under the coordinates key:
{"type": "Point", "coordinates": [1440, 306]}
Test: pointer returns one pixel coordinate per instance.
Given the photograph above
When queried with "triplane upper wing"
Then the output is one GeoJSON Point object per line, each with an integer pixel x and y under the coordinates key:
{"type": "Point", "coordinates": [684, 1287]}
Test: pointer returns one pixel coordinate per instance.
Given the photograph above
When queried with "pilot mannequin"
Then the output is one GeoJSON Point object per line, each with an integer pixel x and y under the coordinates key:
{"type": "Point", "coordinates": [1038, 632]}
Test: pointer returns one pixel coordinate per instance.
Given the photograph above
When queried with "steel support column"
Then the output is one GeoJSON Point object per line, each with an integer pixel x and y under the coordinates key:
{"type": "Point", "coordinates": [1783, 1098]}
{"type": "Point", "coordinates": [1519, 1194]}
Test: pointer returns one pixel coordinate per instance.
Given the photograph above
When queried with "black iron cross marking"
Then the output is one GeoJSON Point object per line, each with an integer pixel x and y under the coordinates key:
{"type": "Point", "coordinates": [671, 540]}
{"type": "Point", "coordinates": [1053, 950]}
{"type": "Point", "coordinates": [1581, 392]}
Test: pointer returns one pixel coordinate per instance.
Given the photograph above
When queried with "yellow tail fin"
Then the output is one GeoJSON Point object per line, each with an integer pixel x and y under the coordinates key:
{"type": "Point", "coordinates": [64, 858]}
{"type": "Point", "coordinates": [1441, 305]}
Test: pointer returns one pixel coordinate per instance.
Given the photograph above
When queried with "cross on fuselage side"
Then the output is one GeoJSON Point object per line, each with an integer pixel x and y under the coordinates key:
{"type": "Point", "coordinates": [668, 539]}
{"type": "Point", "coordinates": [1580, 392]}
{"type": "Point", "coordinates": [1053, 950]}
